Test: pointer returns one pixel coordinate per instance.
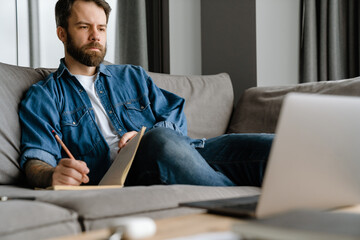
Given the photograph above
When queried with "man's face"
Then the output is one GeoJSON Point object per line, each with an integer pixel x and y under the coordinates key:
{"type": "Point", "coordinates": [84, 54]}
{"type": "Point", "coordinates": [86, 33]}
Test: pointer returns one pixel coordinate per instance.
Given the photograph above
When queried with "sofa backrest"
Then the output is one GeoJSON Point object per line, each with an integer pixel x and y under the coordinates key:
{"type": "Point", "coordinates": [209, 101]}
{"type": "Point", "coordinates": [14, 82]}
{"type": "Point", "coordinates": [259, 108]}
{"type": "Point", "coordinates": [209, 104]}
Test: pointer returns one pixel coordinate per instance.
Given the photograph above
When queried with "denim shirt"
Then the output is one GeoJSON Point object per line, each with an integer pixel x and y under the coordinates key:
{"type": "Point", "coordinates": [60, 103]}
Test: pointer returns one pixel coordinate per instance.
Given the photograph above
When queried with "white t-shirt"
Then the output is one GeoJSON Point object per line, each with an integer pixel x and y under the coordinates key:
{"type": "Point", "coordinates": [103, 121]}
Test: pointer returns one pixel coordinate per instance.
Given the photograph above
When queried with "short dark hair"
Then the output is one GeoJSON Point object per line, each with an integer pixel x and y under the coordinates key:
{"type": "Point", "coordinates": [63, 10]}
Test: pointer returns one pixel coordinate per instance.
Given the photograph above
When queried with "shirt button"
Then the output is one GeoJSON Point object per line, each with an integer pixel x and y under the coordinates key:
{"type": "Point", "coordinates": [101, 91]}
{"type": "Point", "coordinates": [110, 112]}
{"type": "Point", "coordinates": [74, 123]}
{"type": "Point", "coordinates": [142, 107]}
{"type": "Point", "coordinates": [120, 129]}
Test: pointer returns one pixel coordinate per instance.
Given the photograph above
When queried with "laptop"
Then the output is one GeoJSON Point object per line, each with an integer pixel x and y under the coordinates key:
{"type": "Point", "coordinates": [314, 162]}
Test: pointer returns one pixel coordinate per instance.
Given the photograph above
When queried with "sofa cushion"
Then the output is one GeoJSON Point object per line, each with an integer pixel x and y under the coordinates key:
{"type": "Point", "coordinates": [209, 101]}
{"type": "Point", "coordinates": [14, 83]}
{"type": "Point", "coordinates": [258, 109]}
{"type": "Point", "coordinates": [36, 220]}
{"type": "Point", "coordinates": [100, 208]}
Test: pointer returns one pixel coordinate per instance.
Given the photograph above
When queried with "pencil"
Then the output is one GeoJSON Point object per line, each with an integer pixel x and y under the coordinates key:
{"type": "Point", "coordinates": [63, 145]}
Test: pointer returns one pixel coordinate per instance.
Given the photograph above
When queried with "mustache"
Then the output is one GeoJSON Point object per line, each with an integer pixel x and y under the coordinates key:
{"type": "Point", "coordinates": [94, 45]}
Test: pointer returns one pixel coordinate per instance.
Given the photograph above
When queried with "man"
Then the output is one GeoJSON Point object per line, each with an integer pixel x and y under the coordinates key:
{"type": "Point", "coordinates": [96, 109]}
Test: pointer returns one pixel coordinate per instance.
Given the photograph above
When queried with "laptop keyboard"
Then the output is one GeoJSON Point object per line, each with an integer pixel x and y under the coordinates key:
{"type": "Point", "coordinates": [242, 206]}
{"type": "Point", "coordinates": [238, 206]}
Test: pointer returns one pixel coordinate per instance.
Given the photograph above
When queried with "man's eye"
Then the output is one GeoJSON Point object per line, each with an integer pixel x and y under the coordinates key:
{"type": "Point", "coordinates": [83, 27]}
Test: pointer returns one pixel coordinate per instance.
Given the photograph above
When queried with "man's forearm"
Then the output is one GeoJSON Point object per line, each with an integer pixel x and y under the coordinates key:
{"type": "Point", "coordinates": [38, 173]}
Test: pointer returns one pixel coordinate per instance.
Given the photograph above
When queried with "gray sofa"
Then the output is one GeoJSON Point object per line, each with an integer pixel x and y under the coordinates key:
{"type": "Point", "coordinates": [210, 112]}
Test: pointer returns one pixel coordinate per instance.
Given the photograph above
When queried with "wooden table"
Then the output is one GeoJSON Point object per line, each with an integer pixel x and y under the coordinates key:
{"type": "Point", "coordinates": [173, 227]}
{"type": "Point", "coordinates": [192, 224]}
{"type": "Point", "coordinates": [185, 226]}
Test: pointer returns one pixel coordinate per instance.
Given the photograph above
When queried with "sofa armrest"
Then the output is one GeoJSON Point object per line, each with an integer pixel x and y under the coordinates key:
{"type": "Point", "coordinates": [258, 109]}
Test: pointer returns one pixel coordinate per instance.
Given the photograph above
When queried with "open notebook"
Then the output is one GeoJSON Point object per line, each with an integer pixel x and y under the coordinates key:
{"type": "Point", "coordinates": [116, 175]}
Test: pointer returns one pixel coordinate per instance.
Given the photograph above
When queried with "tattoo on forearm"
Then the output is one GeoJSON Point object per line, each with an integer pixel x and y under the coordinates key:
{"type": "Point", "coordinates": [38, 173]}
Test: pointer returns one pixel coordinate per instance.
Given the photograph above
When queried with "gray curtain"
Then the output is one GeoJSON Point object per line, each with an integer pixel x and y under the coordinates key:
{"type": "Point", "coordinates": [131, 33]}
{"type": "Point", "coordinates": [329, 40]}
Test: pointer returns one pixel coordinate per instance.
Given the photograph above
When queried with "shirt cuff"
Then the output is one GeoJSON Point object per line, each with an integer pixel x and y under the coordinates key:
{"type": "Point", "coordinates": [198, 143]}
{"type": "Point", "coordinates": [39, 155]}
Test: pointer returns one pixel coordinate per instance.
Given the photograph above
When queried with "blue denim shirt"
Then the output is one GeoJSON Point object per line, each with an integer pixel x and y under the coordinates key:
{"type": "Point", "coordinates": [60, 103]}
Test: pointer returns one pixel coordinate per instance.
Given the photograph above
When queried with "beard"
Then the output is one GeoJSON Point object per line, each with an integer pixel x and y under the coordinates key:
{"type": "Point", "coordinates": [90, 59]}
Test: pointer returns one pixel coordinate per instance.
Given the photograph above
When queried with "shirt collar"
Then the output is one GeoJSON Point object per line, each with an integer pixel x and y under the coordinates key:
{"type": "Point", "coordinates": [102, 69]}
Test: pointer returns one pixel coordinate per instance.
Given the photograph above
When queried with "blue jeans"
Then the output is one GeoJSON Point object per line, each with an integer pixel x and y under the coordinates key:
{"type": "Point", "coordinates": [166, 157]}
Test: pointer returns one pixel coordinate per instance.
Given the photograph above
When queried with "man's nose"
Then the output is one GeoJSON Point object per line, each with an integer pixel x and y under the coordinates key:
{"type": "Point", "coordinates": [95, 36]}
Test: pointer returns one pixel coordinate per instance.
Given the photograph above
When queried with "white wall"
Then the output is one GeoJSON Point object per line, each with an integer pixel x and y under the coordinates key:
{"type": "Point", "coordinates": [277, 41]}
{"type": "Point", "coordinates": [8, 32]}
{"type": "Point", "coordinates": [51, 48]}
{"type": "Point", "coordinates": [23, 31]}
{"type": "Point", "coordinates": [185, 36]}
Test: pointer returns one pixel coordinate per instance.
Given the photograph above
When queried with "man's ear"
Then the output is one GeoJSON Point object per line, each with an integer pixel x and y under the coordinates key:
{"type": "Point", "coordinates": [61, 33]}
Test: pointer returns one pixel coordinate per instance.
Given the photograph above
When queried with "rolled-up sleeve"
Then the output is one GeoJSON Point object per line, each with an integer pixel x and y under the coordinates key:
{"type": "Point", "coordinates": [39, 115]}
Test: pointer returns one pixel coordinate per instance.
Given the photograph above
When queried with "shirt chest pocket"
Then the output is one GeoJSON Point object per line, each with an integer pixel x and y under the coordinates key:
{"type": "Point", "coordinates": [79, 132]}
{"type": "Point", "coordinates": [139, 112]}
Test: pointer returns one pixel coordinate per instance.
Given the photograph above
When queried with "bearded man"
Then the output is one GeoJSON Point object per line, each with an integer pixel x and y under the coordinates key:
{"type": "Point", "coordinates": [96, 109]}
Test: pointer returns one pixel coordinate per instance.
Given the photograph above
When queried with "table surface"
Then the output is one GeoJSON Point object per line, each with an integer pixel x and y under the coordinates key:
{"type": "Point", "coordinates": [173, 227]}
{"type": "Point", "coordinates": [185, 226]}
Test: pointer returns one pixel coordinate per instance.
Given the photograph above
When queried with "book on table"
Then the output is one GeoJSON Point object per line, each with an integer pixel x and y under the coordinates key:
{"type": "Point", "coordinates": [116, 175]}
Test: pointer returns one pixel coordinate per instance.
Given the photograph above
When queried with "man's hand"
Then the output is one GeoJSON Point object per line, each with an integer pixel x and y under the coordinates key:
{"type": "Point", "coordinates": [70, 172]}
{"type": "Point", "coordinates": [126, 138]}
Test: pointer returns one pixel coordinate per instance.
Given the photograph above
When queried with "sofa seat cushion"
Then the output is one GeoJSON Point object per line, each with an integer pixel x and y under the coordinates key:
{"type": "Point", "coordinates": [95, 206]}
{"type": "Point", "coordinates": [22, 219]}
{"type": "Point", "coordinates": [100, 208]}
